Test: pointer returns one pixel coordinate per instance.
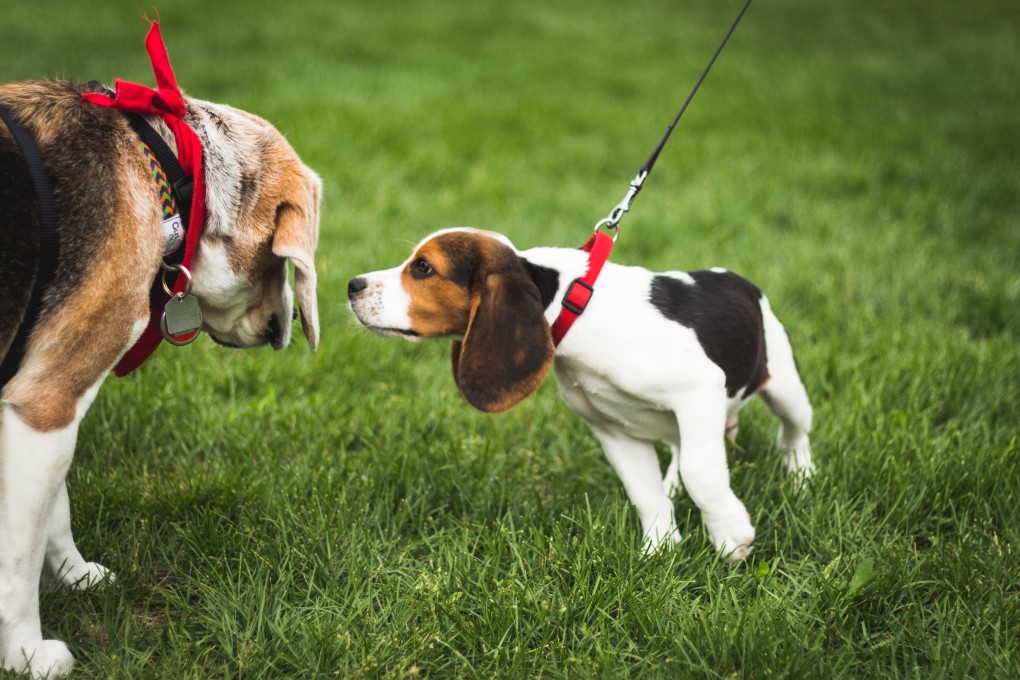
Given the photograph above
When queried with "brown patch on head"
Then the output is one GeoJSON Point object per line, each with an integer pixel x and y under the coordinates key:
{"type": "Point", "coordinates": [437, 278]}
{"type": "Point", "coordinates": [472, 285]}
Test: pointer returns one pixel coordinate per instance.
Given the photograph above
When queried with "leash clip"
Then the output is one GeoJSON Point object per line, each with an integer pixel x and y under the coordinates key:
{"type": "Point", "coordinates": [616, 214]}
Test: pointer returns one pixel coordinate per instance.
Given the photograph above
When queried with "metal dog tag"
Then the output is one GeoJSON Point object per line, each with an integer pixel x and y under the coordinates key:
{"type": "Point", "coordinates": [182, 315]}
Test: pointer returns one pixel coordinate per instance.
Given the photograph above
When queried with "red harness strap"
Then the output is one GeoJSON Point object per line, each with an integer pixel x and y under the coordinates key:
{"type": "Point", "coordinates": [167, 103]}
{"type": "Point", "coordinates": [580, 290]}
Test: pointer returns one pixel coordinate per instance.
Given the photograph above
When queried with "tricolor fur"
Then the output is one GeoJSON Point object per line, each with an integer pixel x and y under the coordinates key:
{"type": "Point", "coordinates": [655, 357]}
{"type": "Point", "coordinates": [262, 210]}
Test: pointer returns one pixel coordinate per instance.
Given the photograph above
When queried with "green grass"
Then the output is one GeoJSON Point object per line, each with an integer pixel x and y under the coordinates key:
{"type": "Point", "coordinates": [346, 514]}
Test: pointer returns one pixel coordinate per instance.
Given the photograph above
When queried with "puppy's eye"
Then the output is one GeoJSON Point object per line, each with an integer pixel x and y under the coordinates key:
{"type": "Point", "coordinates": [420, 268]}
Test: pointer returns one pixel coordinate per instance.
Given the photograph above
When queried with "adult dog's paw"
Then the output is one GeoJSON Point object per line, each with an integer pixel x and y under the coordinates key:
{"type": "Point", "coordinates": [87, 576]}
{"type": "Point", "coordinates": [46, 660]}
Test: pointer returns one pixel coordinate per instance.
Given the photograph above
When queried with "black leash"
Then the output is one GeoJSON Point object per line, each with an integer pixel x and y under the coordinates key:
{"type": "Point", "coordinates": [49, 243]}
{"type": "Point", "coordinates": [616, 214]}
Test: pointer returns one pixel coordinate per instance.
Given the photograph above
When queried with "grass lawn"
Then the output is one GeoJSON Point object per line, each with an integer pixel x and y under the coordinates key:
{"type": "Point", "coordinates": [345, 513]}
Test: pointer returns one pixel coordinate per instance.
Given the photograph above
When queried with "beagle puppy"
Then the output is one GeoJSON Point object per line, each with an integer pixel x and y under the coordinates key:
{"type": "Point", "coordinates": [668, 357]}
{"type": "Point", "coordinates": [262, 210]}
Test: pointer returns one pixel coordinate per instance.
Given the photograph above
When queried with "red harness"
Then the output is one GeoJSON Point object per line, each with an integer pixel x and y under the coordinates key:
{"type": "Point", "coordinates": [167, 103]}
{"type": "Point", "coordinates": [580, 290]}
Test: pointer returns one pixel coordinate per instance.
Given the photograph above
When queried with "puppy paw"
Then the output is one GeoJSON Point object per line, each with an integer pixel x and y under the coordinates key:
{"type": "Point", "coordinates": [672, 486]}
{"type": "Point", "coordinates": [660, 539]}
{"type": "Point", "coordinates": [800, 468]}
{"type": "Point", "coordinates": [46, 660]}
{"type": "Point", "coordinates": [734, 538]}
{"type": "Point", "coordinates": [732, 426]}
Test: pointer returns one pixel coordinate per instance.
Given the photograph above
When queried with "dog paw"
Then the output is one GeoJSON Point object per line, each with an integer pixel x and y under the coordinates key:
{"type": "Point", "coordinates": [87, 576]}
{"type": "Point", "coordinates": [800, 468]}
{"type": "Point", "coordinates": [733, 539]}
{"type": "Point", "coordinates": [672, 486]}
{"type": "Point", "coordinates": [46, 660]}
{"type": "Point", "coordinates": [732, 426]}
{"type": "Point", "coordinates": [660, 539]}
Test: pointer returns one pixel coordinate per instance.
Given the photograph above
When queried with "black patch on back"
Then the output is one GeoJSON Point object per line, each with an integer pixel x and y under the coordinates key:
{"type": "Point", "coordinates": [86, 145]}
{"type": "Point", "coordinates": [546, 280]}
{"type": "Point", "coordinates": [19, 238]}
{"type": "Point", "coordinates": [724, 311]}
{"type": "Point", "coordinates": [82, 159]}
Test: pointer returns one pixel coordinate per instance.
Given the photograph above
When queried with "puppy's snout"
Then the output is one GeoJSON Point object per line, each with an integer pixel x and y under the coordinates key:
{"type": "Point", "coordinates": [355, 286]}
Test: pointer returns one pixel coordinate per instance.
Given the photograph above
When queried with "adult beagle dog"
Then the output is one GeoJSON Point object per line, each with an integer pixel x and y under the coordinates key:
{"type": "Point", "coordinates": [261, 211]}
{"type": "Point", "coordinates": [655, 357]}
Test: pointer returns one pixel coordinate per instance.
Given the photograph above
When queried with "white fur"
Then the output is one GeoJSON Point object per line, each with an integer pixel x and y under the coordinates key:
{"type": "Point", "coordinates": [229, 320]}
{"type": "Point", "coordinates": [35, 530]}
{"type": "Point", "coordinates": [35, 534]}
{"type": "Point", "coordinates": [383, 307]}
{"type": "Point", "coordinates": [637, 377]}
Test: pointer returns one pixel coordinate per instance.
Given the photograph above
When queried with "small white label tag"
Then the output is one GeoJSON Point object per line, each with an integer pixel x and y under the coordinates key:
{"type": "Point", "coordinates": [173, 234]}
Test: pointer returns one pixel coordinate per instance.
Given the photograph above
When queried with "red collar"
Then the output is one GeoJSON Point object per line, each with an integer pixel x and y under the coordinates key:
{"type": "Point", "coordinates": [167, 102]}
{"type": "Point", "coordinates": [580, 290]}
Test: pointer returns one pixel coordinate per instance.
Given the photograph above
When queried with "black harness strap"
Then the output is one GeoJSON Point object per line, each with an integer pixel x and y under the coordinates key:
{"type": "Point", "coordinates": [49, 243]}
{"type": "Point", "coordinates": [180, 183]}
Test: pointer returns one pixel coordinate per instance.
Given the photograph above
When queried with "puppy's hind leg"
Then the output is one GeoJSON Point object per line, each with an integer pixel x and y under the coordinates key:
{"type": "Point", "coordinates": [671, 480]}
{"type": "Point", "coordinates": [786, 397]}
{"type": "Point", "coordinates": [702, 420]}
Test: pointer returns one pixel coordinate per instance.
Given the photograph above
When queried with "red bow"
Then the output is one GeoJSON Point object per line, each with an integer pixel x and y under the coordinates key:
{"type": "Point", "coordinates": [167, 103]}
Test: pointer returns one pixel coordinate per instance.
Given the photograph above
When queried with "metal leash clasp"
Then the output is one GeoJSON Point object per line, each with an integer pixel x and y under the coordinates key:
{"type": "Point", "coordinates": [612, 222]}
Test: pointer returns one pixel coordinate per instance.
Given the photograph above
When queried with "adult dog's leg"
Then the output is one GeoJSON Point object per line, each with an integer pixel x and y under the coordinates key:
{"type": "Point", "coordinates": [63, 561]}
{"type": "Point", "coordinates": [32, 469]}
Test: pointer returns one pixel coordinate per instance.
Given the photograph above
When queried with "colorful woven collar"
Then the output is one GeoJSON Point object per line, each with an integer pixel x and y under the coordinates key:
{"type": "Point", "coordinates": [173, 226]}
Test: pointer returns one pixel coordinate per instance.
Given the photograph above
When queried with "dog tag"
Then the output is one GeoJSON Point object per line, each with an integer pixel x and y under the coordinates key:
{"type": "Point", "coordinates": [182, 315]}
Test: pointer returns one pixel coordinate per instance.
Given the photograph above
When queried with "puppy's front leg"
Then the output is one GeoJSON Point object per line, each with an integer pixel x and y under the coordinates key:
{"type": "Point", "coordinates": [638, 468]}
{"type": "Point", "coordinates": [32, 469]}
{"type": "Point", "coordinates": [701, 417]}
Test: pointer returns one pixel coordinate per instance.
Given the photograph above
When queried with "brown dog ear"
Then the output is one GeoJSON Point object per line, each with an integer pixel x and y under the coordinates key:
{"type": "Point", "coordinates": [296, 236]}
{"type": "Point", "coordinates": [508, 347]}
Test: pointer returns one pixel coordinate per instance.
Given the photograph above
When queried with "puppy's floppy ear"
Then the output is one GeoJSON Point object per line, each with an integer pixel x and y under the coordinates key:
{"type": "Point", "coordinates": [297, 234]}
{"type": "Point", "coordinates": [508, 347]}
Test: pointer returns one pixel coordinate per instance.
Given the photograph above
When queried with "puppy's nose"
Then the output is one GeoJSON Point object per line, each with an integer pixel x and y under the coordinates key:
{"type": "Point", "coordinates": [355, 286]}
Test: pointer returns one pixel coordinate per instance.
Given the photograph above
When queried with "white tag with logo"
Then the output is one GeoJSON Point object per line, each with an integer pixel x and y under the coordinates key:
{"type": "Point", "coordinates": [173, 234]}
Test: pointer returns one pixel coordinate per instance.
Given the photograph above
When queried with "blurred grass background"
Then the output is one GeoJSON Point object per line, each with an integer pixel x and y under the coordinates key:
{"type": "Point", "coordinates": [345, 514]}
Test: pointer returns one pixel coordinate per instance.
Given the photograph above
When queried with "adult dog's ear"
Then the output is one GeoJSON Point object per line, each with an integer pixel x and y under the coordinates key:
{"type": "Point", "coordinates": [508, 347]}
{"type": "Point", "coordinates": [296, 236]}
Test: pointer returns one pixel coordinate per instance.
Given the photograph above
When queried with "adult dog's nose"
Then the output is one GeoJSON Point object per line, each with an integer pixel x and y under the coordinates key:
{"type": "Point", "coordinates": [355, 286]}
{"type": "Point", "coordinates": [274, 332]}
